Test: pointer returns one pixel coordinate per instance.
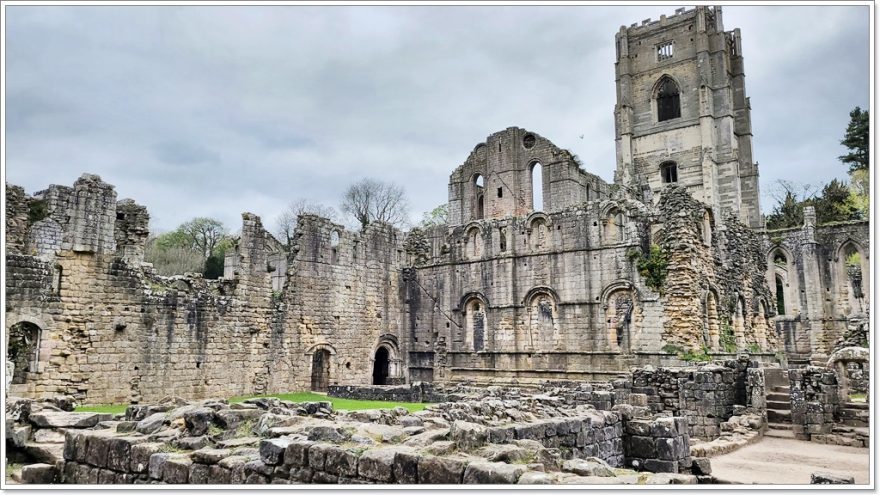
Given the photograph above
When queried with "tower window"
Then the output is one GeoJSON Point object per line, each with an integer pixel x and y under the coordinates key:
{"type": "Point", "coordinates": [664, 51]}
{"type": "Point", "coordinates": [668, 103]}
{"type": "Point", "coordinates": [669, 172]}
{"type": "Point", "coordinates": [500, 192]}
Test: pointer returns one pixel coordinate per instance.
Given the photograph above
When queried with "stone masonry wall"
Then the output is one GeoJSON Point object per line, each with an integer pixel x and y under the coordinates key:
{"type": "Point", "coordinates": [814, 401]}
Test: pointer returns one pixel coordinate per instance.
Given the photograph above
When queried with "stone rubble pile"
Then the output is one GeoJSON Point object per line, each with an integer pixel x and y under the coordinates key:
{"type": "Point", "coordinates": [533, 440]}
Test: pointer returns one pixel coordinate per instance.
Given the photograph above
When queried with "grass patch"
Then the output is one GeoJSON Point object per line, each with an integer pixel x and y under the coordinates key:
{"type": "Point", "coordinates": [858, 397]}
{"type": "Point", "coordinates": [339, 404]}
{"type": "Point", "coordinates": [103, 408]}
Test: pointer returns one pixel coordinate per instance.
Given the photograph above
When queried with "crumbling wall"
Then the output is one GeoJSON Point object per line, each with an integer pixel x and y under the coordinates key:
{"type": "Point", "coordinates": [814, 401]}
{"type": "Point", "coordinates": [721, 261]}
{"type": "Point", "coordinates": [16, 219]}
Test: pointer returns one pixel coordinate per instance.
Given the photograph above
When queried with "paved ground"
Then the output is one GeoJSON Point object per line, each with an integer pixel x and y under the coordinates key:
{"type": "Point", "coordinates": [781, 461]}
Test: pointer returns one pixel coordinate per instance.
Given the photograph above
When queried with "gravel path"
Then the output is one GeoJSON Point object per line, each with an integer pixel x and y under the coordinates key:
{"type": "Point", "coordinates": [780, 461]}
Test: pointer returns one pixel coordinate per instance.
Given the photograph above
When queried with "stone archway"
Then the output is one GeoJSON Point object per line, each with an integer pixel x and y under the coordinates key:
{"type": "Point", "coordinates": [320, 370]}
{"type": "Point", "coordinates": [23, 350]}
{"type": "Point", "coordinates": [381, 366]}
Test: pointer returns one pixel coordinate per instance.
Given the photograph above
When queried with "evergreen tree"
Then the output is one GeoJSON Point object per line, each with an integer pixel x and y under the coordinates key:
{"type": "Point", "coordinates": [856, 140]}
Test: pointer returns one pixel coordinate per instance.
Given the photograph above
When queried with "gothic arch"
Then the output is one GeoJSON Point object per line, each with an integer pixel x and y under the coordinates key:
{"type": "Point", "coordinates": [542, 312]}
{"type": "Point", "coordinates": [782, 280]}
{"type": "Point", "coordinates": [473, 248]}
{"type": "Point", "coordinates": [619, 302]}
{"type": "Point", "coordinates": [666, 98]}
{"type": "Point", "coordinates": [475, 315]}
{"type": "Point", "coordinates": [852, 278]}
{"type": "Point", "coordinates": [711, 319]}
{"type": "Point", "coordinates": [539, 231]}
{"type": "Point", "coordinates": [386, 361]}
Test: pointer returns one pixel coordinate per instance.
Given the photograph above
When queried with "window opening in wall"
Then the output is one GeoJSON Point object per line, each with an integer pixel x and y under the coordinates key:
{"type": "Point", "coordinates": [479, 181]}
{"type": "Point", "coordinates": [664, 51]}
{"type": "Point", "coordinates": [668, 104]}
{"type": "Point", "coordinates": [669, 172]}
{"type": "Point", "coordinates": [23, 350]}
{"type": "Point", "coordinates": [478, 196]}
{"type": "Point", "coordinates": [500, 192]}
{"type": "Point", "coordinates": [780, 260]}
{"type": "Point", "coordinates": [503, 244]}
{"type": "Point", "coordinates": [480, 207]}
{"type": "Point", "coordinates": [537, 187]}
{"type": "Point", "coordinates": [780, 295]}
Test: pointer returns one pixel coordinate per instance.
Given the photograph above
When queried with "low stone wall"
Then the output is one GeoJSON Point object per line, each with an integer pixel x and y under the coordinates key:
{"type": "Point", "coordinates": [414, 392]}
{"type": "Point", "coordinates": [814, 401]}
{"type": "Point", "coordinates": [660, 446]}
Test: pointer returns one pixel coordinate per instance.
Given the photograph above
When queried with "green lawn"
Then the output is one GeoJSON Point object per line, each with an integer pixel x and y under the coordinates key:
{"type": "Point", "coordinates": [338, 404]}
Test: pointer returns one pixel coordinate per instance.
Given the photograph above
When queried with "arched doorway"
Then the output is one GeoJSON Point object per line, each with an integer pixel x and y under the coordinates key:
{"type": "Point", "coordinates": [381, 366]}
{"type": "Point", "coordinates": [321, 370]}
{"type": "Point", "coordinates": [23, 350]}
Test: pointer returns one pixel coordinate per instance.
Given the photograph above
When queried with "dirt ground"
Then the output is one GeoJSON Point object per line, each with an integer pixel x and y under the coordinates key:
{"type": "Point", "coordinates": [780, 461]}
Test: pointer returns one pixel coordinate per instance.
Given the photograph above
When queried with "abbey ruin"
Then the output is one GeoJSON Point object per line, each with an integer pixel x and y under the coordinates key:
{"type": "Point", "coordinates": [544, 273]}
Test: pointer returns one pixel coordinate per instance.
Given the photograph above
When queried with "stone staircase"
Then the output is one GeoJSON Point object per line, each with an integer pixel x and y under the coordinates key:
{"type": "Point", "coordinates": [779, 413]}
{"type": "Point", "coordinates": [855, 414]}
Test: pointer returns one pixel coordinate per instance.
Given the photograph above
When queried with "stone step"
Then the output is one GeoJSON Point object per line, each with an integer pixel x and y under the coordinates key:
{"type": "Point", "coordinates": [776, 416]}
{"type": "Point", "coordinates": [782, 390]}
{"type": "Point", "coordinates": [779, 405]}
{"type": "Point", "coordinates": [775, 396]}
{"type": "Point", "coordinates": [857, 405]}
{"type": "Point", "coordinates": [779, 434]}
{"type": "Point", "coordinates": [779, 426]}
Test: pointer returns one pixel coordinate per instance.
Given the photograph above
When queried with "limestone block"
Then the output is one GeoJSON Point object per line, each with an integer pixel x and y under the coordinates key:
{"type": "Point", "coordinates": [441, 470]}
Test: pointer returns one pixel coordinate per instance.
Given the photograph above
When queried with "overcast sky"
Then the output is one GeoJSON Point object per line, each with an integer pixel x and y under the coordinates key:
{"type": "Point", "coordinates": [213, 111]}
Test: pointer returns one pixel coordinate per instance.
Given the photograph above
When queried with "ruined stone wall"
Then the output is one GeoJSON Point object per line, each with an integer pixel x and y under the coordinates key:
{"type": "Point", "coordinates": [817, 290]}
{"type": "Point", "coordinates": [716, 279]}
{"type": "Point", "coordinates": [505, 162]}
{"type": "Point", "coordinates": [111, 331]}
{"type": "Point", "coordinates": [16, 219]}
{"type": "Point", "coordinates": [814, 401]}
{"type": "Point", "coordinates": [345, 299]}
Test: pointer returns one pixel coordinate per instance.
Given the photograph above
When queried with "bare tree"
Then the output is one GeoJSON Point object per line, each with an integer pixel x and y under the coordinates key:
{"type": "Point", "coordinates": [285, 224]}
{"type": "Point", "coordinates": [203, 234]}
{"type": "Point", "coordinates": [369, 201]}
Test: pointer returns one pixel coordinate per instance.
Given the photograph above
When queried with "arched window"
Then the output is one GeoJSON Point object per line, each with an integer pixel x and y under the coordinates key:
{"type": "Point", "coordinates": [669, 172]}
{"type": "Point", "coordinates": [668, 104]}
{"type": "Point", "coordinates": [475, 325]}
{"type": "Point", "coordinates": [478, 195]}
{"type": "Point", "coordinates": [502, 233]}
{"type": "Point", "coordinates": [707, 228]}
{"type": "Point", "coordinates": [615, 227]}
{"type": "Point", "coordinates": [537, 187]}
{"type": "Point", "coordinates": [780, 295]}
{"type": "Point", "coordinates": [334, 239]}
{"type": "Point", "coordinates": [618, 318]}
{"type": "Point", "coordinates": [474, 247]}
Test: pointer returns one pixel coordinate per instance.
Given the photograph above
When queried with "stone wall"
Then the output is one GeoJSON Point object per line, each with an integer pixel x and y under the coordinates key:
{"type": "Point", "coordinates": [816, 289]}
{"type": "Point", "coordinates": [814, 401]}
{"type": "Point", "coordinates": [414, 392]}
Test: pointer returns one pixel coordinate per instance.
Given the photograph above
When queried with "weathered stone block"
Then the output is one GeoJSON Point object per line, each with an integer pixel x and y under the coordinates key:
{"type": "Point", "coordinates": [209, 455]}
{"type": "Point", "coordinates": [176, 469]}
{"type": "Point", "coordinates": [341, 462]}
{"type": "Point", "coordinates": [199, 474]}
{"type": "Point", "coordinates": [38, 474]}
{"type": "Point", "coordinates": [492, 473]}
{"type": "Point", "coordinates": [141, 455]}
{"type": "Point", "coordinates": [272, 450]}
{"type": "Point", "coordinates": [297, 453]}
{"type": "Point", "coordinates": [377, 464]}
{"type": "Point", "coordinates": [440, 470]}
{"type": "Point", "coordinates": [406, 467]}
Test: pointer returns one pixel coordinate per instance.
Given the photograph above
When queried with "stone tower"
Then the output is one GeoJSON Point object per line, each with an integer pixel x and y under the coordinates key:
{"type": "Point", "coordinates": [682, 115]}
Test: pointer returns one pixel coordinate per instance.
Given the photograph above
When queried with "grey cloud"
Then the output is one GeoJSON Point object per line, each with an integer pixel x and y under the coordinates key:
{"type": "Point", "coordinates": [217, 110]}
